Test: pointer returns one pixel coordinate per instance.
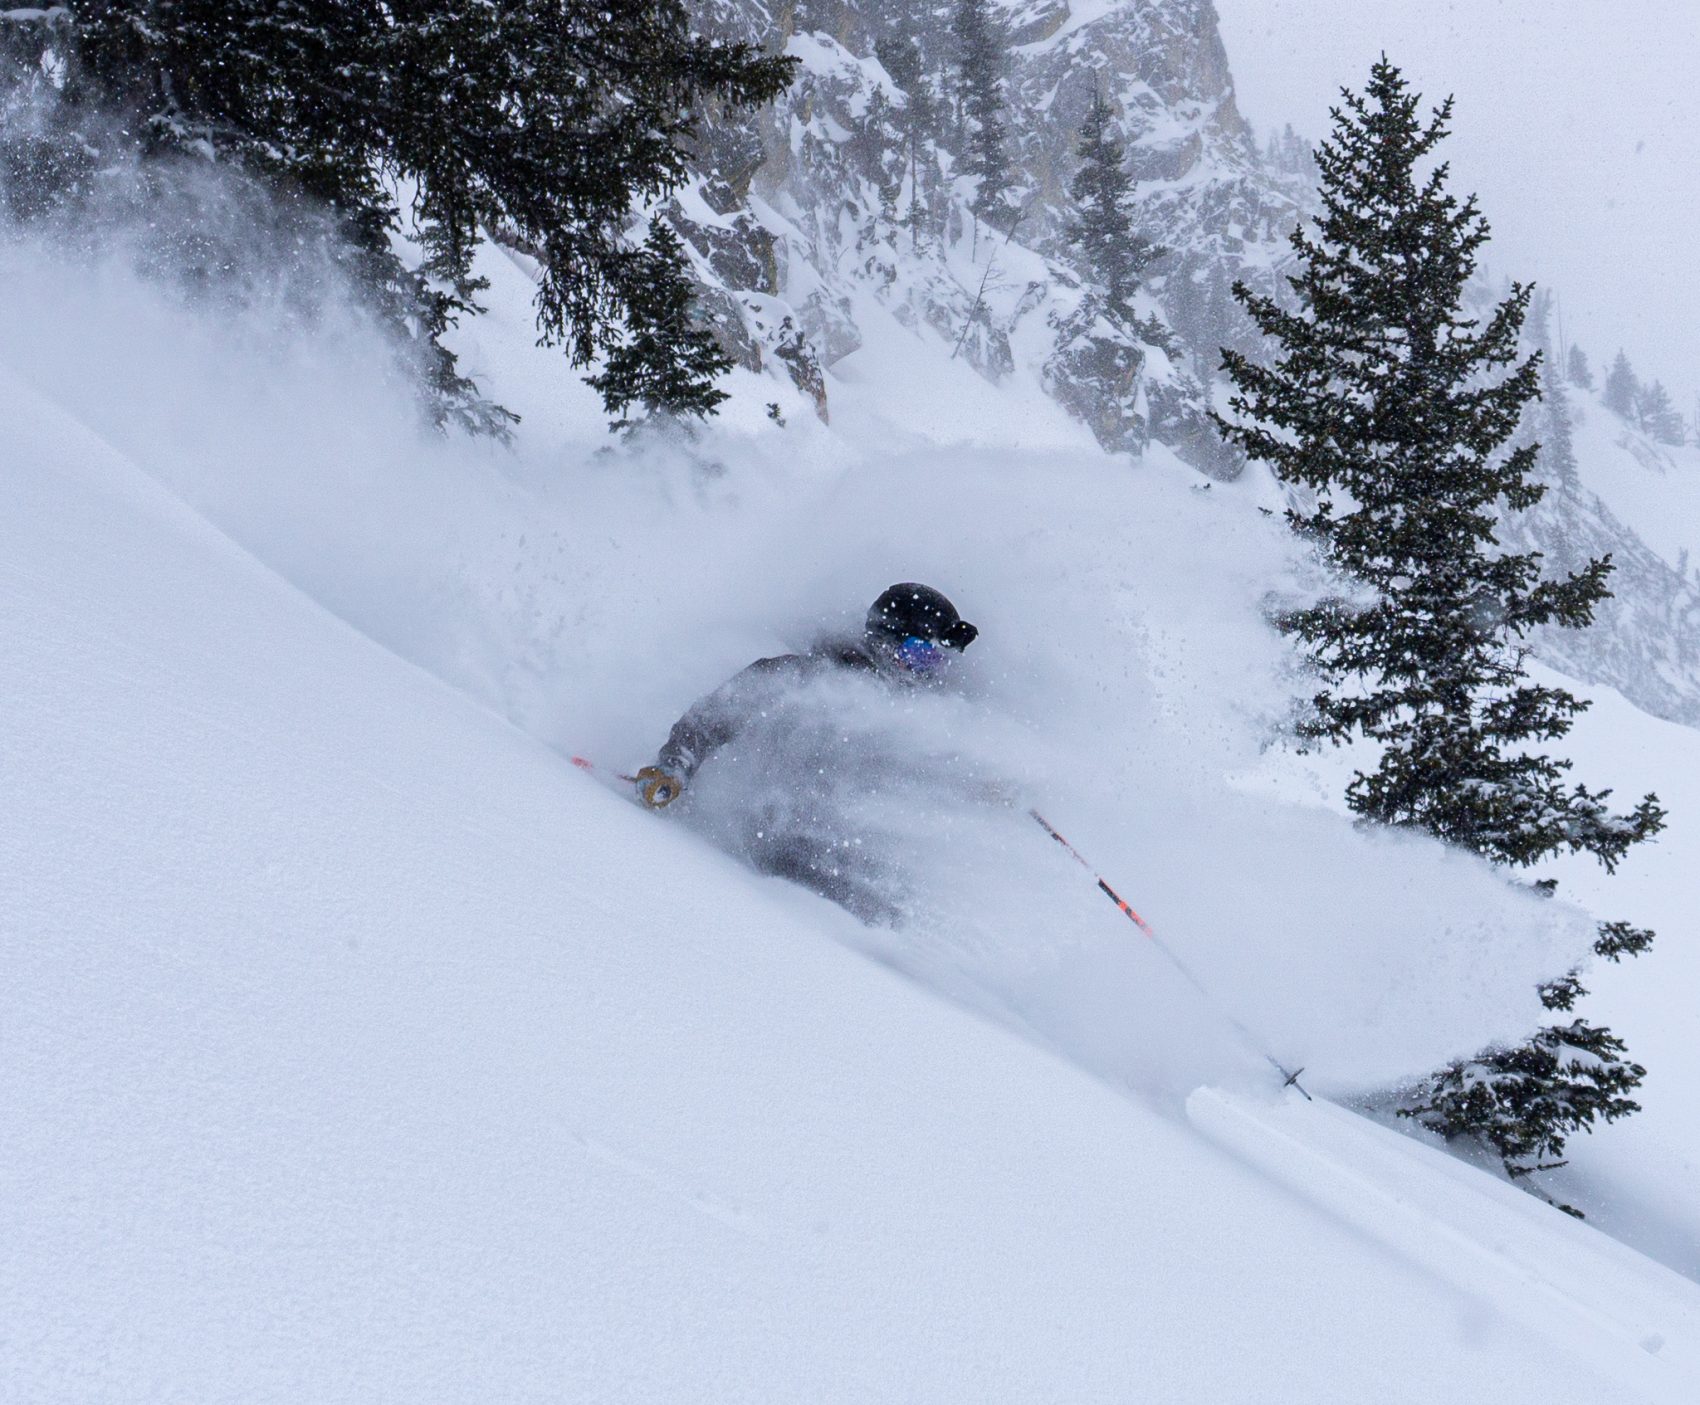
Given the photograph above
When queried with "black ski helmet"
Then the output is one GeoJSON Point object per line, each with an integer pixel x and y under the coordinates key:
{"type": "Point", "coordinates": [909, 610]}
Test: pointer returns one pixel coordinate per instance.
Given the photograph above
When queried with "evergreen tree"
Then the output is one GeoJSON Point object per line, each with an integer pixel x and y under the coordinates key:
{"type": "Point", "coordinates": [1525, 1101]}
{"type": "Point", "coordinates": [1549, 423]}
{"type": "Point", "coordinates": [1580, 373]}
{"type": "Point", "coordinates": [981, 58]}
{"type": "Point", "coordinates": [1116, 257]}
{"type": "Point", "coordinates": [667, 362]}
{"type": "Point", "coordinates": [546, 119]}
{"type": "Point", "coordinates": [1289, 153]}
{"type": "Point", "coordinates": [1393, 410]}
{"type": "Point", "coordinates": [1558, 446]}
{"type": "Point", "coordinates": [1657, 415]}
{"type": "Point", "coordinates": [1622, 387]}
{"type": "Point", "coordinates": [878, 131]}
{"type": "Point", "coordinates": [901, 55]}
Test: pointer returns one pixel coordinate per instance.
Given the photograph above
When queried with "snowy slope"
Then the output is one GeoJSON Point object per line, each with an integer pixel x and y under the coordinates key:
{"type": "Point", "coordinates": [1633, 1179]}
{"type": "Point", "coordinates": [1636, 1181]}
{"type": "Point", "coordinates": [1653, 488]}
{"type": "Point", "coordinates": [356, 1049]}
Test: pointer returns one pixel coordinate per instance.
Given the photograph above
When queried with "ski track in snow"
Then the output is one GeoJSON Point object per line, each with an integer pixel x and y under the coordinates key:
{"type": "Point", "coordinates": [1464, 1227]}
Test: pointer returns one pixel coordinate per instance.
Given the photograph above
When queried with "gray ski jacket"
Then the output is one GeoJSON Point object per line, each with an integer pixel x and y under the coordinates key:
{"type": "Point", "coordinates": [717, 719]}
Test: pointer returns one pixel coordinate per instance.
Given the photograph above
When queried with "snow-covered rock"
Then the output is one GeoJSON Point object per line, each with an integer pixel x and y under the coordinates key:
{"type": "Point", "coordinates": [819, 205]}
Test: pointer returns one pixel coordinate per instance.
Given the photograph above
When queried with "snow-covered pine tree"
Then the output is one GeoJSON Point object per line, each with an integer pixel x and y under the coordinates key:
{"type": "Point", "coordinates": [1549, 424]}
{"type": "Point", "coordinates": [1558, 445]}
{"type": "Point", "coordinates": [1392, 410]}
{"type": "Point", "coordinates": [981, 60]}
{"type": "Point", "coordinates": [665, 361]}
{"type": "Point", "coordinates": [901, 55]}
{"type": "Point", "coordinates": [543, 119]}
{"type": "Point", "coordinates": [1622, 388]}
{"type": "Point", "coordinates": [1525, 1101]}
{"type": "Point", "coordinates": [1577, 369]}
{"type": "Point", "coordinates": [1116, 256]}
{"type": "Point", "coordinates": [1288, 152]}
{"type": "Point", "coordinates": [1658, 415]}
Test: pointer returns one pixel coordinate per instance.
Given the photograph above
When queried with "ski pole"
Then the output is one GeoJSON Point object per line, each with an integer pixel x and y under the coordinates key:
{"type": "Point", "coordinates": [584, 763]}
{"type": "Point", "coordinates": [1290, 1078]}
{"type": "Point", "coordinates": [647, 780]}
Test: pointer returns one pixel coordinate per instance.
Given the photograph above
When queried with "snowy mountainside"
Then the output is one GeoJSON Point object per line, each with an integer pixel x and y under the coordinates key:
{"type": "Point", "coordinates": [1613, 491]}
{"type": "Point", "coordinates": [805, 213]}
{"type": "Point", "coordinates": [356, 1047]}
{"type": "Point", "coordinates": [1203, 190]}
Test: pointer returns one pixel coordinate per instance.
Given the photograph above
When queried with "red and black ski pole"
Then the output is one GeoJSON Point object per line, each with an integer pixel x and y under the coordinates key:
{"type": "Point", "coordinates": [584, 763]}
{"type": "Point", "coordinates": [1290, 1078]}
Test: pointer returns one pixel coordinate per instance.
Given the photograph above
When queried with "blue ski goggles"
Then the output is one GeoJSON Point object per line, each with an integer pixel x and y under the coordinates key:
{"type": "Point", "coordinates": [922, 656]}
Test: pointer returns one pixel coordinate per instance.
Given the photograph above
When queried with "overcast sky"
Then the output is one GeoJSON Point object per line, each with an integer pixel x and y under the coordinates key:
{"type": "Point", "coordinates": [1578, 124]}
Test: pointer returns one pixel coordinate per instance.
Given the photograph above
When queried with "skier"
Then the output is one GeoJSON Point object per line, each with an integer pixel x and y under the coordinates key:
{"type": "Point", "coordinates": [909, 638]}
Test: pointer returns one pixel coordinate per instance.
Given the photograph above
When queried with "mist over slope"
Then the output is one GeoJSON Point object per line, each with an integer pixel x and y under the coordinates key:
{"type": "Point", "coordinates": [361, 1049]}
{"type": "Point", "coordinates": [589, 592]}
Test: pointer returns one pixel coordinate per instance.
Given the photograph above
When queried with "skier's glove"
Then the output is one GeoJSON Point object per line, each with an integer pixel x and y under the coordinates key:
{"type": "Point", "coordinates": [656, 788]}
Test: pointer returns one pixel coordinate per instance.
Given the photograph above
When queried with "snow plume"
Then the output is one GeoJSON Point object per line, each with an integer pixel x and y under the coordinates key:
{"type": "Point", "coordinates": [1123, 669]}
{"type": "Point", "coordinates": [589, 589]}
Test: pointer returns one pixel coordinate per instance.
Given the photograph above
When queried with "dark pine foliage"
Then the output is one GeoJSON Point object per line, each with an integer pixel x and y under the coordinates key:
{"type": "Point", "coordinates": [541, 120]}
{"type": "Point", "coordinates": [901, 55]}
{"type": "Point", "coordinates": [1393, 411]}
{"type": "Point", "coordinates": [1524, 1101]}
{"type": "Point", "coordinates": [1102, 228]}
{"type": "Point", "coordinates": [666, 362]}
{"type": "Point", "coordinates": [981, 58]}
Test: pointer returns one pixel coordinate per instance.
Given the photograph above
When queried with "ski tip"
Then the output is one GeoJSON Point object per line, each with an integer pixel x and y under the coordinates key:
{"type": "Point", "coordinates": [582, 763]}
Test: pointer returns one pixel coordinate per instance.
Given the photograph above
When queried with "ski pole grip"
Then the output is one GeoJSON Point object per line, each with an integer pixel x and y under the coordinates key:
{"type": "Point", "coordinates": [657, 788]}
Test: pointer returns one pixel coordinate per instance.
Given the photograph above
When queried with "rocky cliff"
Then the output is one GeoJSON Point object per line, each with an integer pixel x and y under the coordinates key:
{"type": "Point", "coordinates": [852, 189]}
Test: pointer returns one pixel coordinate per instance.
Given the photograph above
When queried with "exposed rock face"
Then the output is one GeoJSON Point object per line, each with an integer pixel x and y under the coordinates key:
{"type": "Point", "coordinates": [825, 200]}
